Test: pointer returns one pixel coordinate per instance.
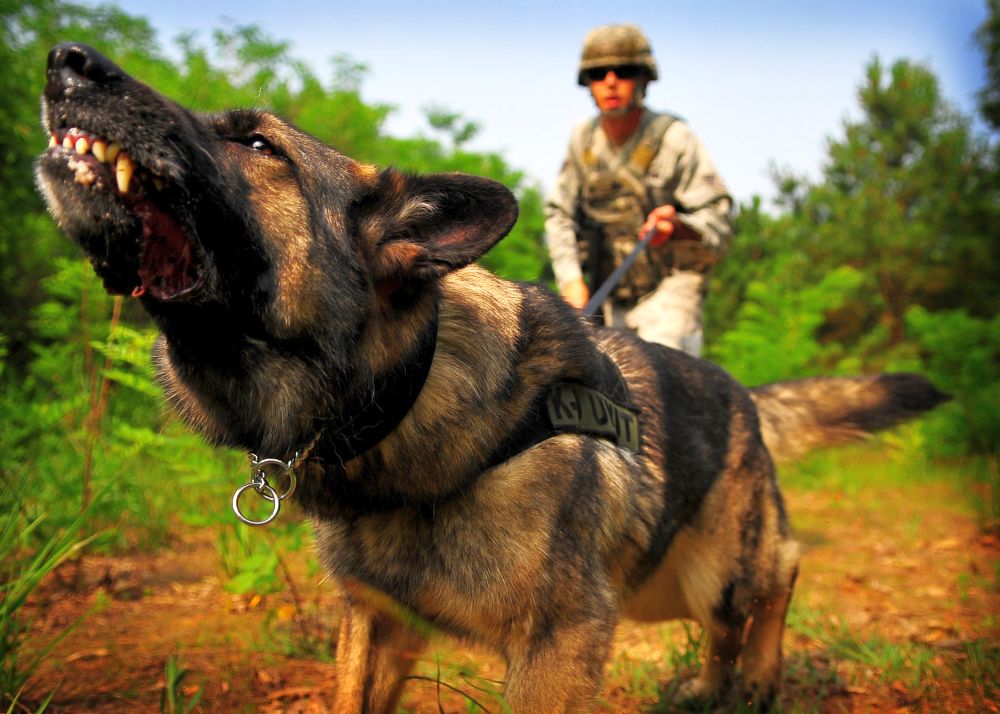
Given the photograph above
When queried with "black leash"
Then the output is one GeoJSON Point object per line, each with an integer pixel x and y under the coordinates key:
{"type": "Point", "coordinates": [602, 293]}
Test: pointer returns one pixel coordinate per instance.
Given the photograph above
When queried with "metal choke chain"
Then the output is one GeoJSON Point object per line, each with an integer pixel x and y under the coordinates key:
{"type": "Point", "coordinates": [260, 470]}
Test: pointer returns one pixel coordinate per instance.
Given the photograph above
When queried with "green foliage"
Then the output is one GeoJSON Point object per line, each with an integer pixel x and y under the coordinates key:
{"type": "Point", "coordinates": [452, 124]}
{"type": "Point", "coordinates": [775, 332]}
{"type": "Point", "coordinates": [172, 699]}
{"type": "Point", "coordinates": [979, 667]}
{"type": "Point", "coordinates": [87, 417]}
{"type": "Point", "coordinates": [250, 562]}
{"type": "Point", "coordinates": [759, 239]}
{"type": "Point", "coordinates": [521, 255]}
{"type": "Point", "coordinates": [916, 190]}
{"type": "Point", "coordinates": [962, 359]}
{"type": "Point", "coordinates": [904, 217]}
{"type": "Point", "coordinates": [988, 37]}
{"type": "Point", "coordinates": [24, 562]}
{"type": "Point", "coordinates": [908, 197]}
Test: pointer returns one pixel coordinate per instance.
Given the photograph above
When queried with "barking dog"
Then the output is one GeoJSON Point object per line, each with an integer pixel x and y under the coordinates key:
{"type": "Point", "coordinates": [470, 447]}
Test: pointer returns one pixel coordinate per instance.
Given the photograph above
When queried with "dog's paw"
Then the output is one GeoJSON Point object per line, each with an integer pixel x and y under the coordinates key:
{"type": "Point", "coordinates": [696, 693]}
{"type": "Point", "coordinates": [700, 695]}
{"type": "Point", "coordinates": [759, 696]}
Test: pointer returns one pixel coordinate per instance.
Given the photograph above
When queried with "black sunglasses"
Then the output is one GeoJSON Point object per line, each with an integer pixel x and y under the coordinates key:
{"type": "Point", "coordinates": [625, 71]}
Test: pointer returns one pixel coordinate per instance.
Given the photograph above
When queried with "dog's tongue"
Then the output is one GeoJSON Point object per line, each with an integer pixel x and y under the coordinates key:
{"type": "Point", "coordinates": [167, 265]}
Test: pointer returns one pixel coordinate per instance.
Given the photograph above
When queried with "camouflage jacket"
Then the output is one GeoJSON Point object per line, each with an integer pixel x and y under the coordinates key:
{"type": "Point", "coordinates": [662, 163]}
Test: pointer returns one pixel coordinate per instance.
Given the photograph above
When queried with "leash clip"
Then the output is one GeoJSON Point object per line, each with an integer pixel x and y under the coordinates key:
{"type": "Point", "coordinates": [260, 469]}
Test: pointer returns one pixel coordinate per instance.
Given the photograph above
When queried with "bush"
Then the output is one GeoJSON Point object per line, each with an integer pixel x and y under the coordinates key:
{"type": "Point", "coordinates": [774, 336]}
{"type": "Point", "coordinates": [960, 353]}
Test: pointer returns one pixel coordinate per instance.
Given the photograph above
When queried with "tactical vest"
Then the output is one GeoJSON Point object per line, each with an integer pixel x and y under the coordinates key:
{"type": "Point", "coordinates": [614, 203]}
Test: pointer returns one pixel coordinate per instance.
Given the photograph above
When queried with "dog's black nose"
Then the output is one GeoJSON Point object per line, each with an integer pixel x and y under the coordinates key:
{"type": "Point", "coordinates": [73, 64]}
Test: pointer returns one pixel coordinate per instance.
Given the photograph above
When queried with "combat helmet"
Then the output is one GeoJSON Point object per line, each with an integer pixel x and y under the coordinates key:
{"type": "Point", "coordinates": [610, 45]}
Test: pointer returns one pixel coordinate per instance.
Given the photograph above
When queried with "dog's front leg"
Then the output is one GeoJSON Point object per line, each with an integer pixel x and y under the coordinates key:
{"type": "Point", "coordinates": [375, 652]}
{"type": "Point", "coordinates": [560, 670]}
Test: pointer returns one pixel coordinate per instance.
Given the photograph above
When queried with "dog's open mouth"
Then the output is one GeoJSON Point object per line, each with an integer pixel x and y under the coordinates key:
{"type": "Point", "coordinates": [169, 263]}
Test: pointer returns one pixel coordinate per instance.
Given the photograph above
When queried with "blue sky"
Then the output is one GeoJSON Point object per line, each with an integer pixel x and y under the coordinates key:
{"type": "Point", "coordinates": [762, 83]}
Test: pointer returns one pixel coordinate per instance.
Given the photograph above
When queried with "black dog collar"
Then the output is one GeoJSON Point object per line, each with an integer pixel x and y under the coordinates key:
{"type": "Point", "coordinates": [360, 427]}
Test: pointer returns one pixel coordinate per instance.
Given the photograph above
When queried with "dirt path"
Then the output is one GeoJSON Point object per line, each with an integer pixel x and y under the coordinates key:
{"type": "Point", "coordinates": [896, 610]}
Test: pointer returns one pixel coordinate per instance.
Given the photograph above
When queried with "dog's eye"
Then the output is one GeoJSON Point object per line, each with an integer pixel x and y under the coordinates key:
{"type": "Point", "coordinates": [259, 143]}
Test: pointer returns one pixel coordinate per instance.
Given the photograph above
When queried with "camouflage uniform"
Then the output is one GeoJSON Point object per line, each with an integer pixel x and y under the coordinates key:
{"type": "Point", "coordinates": [602, 197]}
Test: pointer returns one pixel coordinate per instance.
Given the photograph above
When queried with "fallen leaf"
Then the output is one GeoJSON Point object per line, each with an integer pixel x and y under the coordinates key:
{"type": "Point", "coordinates": [948, 544]}
{"type": "Point", "coordinates": [266, 678]}
{"type": "Point", "coordinates": [933, 636]}
{"type": "Point", "coordinates": [295, 693]}
{"type": "Point", "coordinates": [89, 654]}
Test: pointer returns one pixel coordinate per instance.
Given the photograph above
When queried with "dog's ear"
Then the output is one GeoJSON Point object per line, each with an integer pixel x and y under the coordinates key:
{"type": "Point", "coordinates": [420, 227]}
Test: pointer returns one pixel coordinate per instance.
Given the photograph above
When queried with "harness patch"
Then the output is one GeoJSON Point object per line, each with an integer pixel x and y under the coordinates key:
{"type": "Point", "coordinates": [576, 408]}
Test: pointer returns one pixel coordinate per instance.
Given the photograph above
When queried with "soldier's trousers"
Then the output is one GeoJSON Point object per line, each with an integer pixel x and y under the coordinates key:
{"type": "Point", "coordinates": [670, 315]}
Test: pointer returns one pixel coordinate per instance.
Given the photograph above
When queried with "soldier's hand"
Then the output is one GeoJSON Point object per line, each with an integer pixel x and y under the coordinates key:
{"type": "Point", "coordinates": [664, 218]}
{"type": "Point", "coordinates": [575, 292]}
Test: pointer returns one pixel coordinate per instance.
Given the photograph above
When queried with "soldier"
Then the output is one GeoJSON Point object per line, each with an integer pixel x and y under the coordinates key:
{"type": "Point", "coordinates": [630, 169]}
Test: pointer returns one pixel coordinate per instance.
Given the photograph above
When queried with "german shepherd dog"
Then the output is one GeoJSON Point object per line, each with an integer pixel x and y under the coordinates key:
{"type": "Point", "coordinates": [470, 449]}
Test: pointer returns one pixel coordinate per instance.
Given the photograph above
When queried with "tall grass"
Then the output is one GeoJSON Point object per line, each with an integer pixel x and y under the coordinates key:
{"type": "Point", "coordinates": [172, 699]}
{"type": "Point", "coordinates": [904, 661]}
{"type": "Point", "coordinates": [25, 564]}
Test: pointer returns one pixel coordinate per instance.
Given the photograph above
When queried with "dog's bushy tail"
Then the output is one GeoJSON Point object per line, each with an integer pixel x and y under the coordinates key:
{"type": "Point", "coordinates": [805, 414]}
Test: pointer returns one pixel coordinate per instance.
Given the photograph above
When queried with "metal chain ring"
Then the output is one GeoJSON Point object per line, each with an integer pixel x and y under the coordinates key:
{"type": "Point", "coordinates": [286, 469]}
{"type": "Point", "coordinates": [259, 469]}
{"type": "Point", "coordinates": [260, 488]}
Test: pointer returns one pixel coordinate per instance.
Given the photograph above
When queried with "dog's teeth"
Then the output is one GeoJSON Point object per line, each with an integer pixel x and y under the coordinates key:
{"type": "Point", "coordinates": [53, 141]}
{"type": "Point", "coordinates": [112, 152]}
{"type": "Point", "coordinates": [100, 150]}
{"type": "Point", "coordinates": [82, 146]}
{"type": "Point", "coordinates": [68, 142]}
{"type": "Point", "coordinates": [123, 171]}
